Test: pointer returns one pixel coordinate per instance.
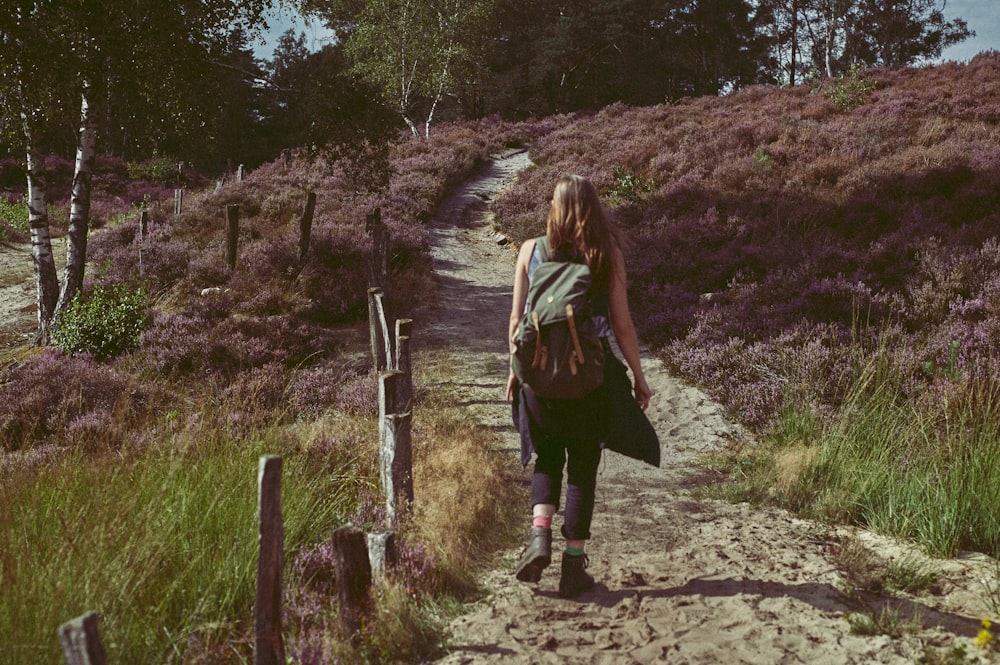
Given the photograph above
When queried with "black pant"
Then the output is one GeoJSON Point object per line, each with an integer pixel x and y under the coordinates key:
{"type": "Point", "coordinates": [567, 433]}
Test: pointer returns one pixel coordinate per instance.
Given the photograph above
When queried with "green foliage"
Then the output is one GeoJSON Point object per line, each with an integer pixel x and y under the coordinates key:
{"type": "Point", "coordinates": [158, 168]}
{"type": "Point", "coordinates": [13, 219]}
{"type": "Point", "coordinates": [905, 470]}
{"type": "Point", "coordinates": [883, 622]}
{"type": "Point", "coordinates": [628, 187]}
{"type": "Point", "coordinates": [957, 655]}
{"type": "Point", "coordinates": [992, 590]}
{"type": "Point", "coordinates": [414, 53]}
{"type": "Point", "coordinates": [761, 156]}
{"type": "Point", "coordinates": [106, 324]}
{"type": "Point", "coordinates": [950, 372]}
{"type": "Point", "coordinates": [850, 91]}
{"type": "Point", "coordinates": [165, 550]}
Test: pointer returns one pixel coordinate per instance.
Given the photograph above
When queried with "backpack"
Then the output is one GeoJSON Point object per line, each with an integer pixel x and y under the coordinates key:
{"type": "Point", "coordinates": [556, 351]}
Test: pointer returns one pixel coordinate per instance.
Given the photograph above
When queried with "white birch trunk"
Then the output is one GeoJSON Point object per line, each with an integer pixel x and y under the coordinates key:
{"type": "Point", "coordinates": [79, 215]}
{"type": "Point", "coordinates": [46, 280]}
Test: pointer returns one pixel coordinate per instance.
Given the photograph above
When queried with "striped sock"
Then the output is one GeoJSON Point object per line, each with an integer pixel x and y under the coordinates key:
{"type": "Point", "coordinates": [543, 521]}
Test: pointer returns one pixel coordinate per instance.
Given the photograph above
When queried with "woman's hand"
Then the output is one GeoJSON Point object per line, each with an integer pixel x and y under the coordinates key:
{"type": "Point", "coordinates": [511, 386]}
{"type": "Point", "coordinates": [642, 392]}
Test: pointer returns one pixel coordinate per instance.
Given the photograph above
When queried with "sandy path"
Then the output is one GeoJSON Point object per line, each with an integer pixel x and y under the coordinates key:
{"type": "Point", "coordinates": [679, 580]}
{"type": "Point", "coordinates": [18, 314]}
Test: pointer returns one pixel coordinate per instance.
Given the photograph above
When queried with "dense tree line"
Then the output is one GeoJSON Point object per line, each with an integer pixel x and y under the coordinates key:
{"type": "Point", "coordinates": [135, 78]}
{"type": "Point", "coordinates": [201, 95]}
{"type": "Point", "coordinates": [535, 57]}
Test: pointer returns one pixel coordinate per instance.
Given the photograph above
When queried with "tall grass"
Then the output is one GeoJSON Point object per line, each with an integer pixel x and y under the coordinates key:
{"type": "Point", "coordinates": [163, 546]}
{"type": "Point", "coordinates": [922, 471]}
{"type": "Point", "coordinates": [920, 468]}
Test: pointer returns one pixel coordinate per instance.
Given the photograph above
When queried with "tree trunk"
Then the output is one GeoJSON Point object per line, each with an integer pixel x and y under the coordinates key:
{"type": "Point", "coordinates": [795, 41]}
{"type": "Point", "coordinates": [79, 214]}
{"type": "Point", "coordinates": [46, 280]}
{"type": "Point", "coordinates": [412, 125]}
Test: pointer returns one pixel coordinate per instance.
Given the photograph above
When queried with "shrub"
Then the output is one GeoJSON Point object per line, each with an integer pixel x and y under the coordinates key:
{"type": "Point", "coordinates": [161, 169]}
{"type": "Point", "coordinates": [628, 187]}
{"type": "Point", "coordinates": [850, 91]}
{"type": "Point", "coordinates": [106, 324]}
{"type": "Point", "coordinates": [54, 393]}
{"type": "Point", "coordinates": [13, 219]}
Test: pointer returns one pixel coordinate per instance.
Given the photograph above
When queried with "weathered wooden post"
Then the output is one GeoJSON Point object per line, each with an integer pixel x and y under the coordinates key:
{"type": "Point", "coordinates": [382, 553]}
{"type": "Point", "coordinates": [305, 226]}
{"type": "Point", "coordinates": [232, 234]}
{"type": "Point", "coordinates": [143, 224]}
{"type": "Point", "coordinates": [381, 343]}
{"type": "Point", "coordinates": [178, 201]}
{"type": "Point", "coordinates": [378, 260]}
{"type": "Point", "coordinates": [269, 647]}
{"type": "Point", "coordinates": [239, 173]}
{"type": "Point", "coordinates": [395, 445]}
{"type": "Point", "coordinates": [402, 362]}
{"type": "Point", "coordinates": [81, 641]}
{"type": "Point", "coordinates": [354, 578]}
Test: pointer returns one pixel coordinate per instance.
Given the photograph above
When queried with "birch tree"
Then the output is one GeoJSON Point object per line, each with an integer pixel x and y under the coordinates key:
{"type": "Point", "coordinates": [832, 36]}
{"type": "Point", "coordinates": [413, 51]}
{"type": "Point", "coordinates": [54, 52]}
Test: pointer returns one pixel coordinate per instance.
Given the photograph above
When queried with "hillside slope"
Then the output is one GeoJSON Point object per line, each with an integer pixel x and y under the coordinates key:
{"type": "Point", "coordinates": [680, 580]}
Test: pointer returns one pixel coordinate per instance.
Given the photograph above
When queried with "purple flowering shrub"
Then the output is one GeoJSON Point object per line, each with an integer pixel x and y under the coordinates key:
{"type": "Point", "coordinates": [322, 388]}
{"type": "Point", "coordinates": [54, 397]}
{"type": "Point", "coordinates": [199, 342]}
{"type": "Point", "coordinates": [779, 229]}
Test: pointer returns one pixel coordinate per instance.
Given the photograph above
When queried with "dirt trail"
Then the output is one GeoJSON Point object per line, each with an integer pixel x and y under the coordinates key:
{"type": "Point", "coordinates": [678, 580]}
{"type": "Point", "coordinates": [18, 315]}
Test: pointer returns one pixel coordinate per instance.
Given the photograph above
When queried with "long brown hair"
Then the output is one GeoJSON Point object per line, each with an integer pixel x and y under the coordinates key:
{"type": "Point", "coordinates": [579, 226]}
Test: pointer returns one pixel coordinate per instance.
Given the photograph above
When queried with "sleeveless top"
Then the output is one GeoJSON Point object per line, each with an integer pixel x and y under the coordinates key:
{"type": "Point", "coordinates": [601, 305]}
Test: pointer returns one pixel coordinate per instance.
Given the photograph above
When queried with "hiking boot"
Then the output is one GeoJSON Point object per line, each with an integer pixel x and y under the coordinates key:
{"type": "Point", "coordinates": [574, 579]}
{"type": "Point", "coordinates": [537, 555]}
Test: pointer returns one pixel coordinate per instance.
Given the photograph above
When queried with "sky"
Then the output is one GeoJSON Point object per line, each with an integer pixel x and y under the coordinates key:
{"type": "Point", "coordinates": [316, 34]}
{"type": "Point", "coordinates": [983, 17]}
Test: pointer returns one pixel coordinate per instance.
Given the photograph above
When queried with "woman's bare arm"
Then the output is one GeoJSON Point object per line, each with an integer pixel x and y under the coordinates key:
{"type": "Point", "coordinates": [518, 300]}
{"type": "Point", "coordinates": [624, 328]}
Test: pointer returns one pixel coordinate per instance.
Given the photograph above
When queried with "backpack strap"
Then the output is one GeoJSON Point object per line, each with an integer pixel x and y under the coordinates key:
{"type": "Point", "coordinates": [539, 254]}
{"type": "Point", "coordinates": [542, 247]}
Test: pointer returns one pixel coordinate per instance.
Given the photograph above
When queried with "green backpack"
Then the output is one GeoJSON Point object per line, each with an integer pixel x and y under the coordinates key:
{"type": "Point", "coordinates": [556, 351]}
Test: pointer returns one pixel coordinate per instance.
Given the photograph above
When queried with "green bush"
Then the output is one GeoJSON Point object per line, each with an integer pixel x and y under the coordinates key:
{"type": "Point", "coordinates": [850, 91]}
{"type": "Point", "coordinates": [13, 216]}
{"type": "Point", "coordinates": [161, 169]}
{"type": "Point", "coordinates": [628, 187]}
{"type": "Point", "coordinates": [106, 324]}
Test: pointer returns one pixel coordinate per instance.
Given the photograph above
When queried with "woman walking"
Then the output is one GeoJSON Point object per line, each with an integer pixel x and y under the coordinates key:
{"type": "Point", "coordinates": [567, 433]}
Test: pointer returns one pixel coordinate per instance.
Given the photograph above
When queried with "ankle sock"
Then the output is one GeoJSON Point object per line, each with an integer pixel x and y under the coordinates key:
{"type": "Point", "coordinates": [542, 521]}
{"type": "Point", "coordinates": [574, 551]}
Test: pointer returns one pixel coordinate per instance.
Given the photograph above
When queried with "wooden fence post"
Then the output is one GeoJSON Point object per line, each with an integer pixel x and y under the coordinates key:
{"type": "Point", "coordinates": [305, 226]}
{"type": "Point", "coordinates": [378, 327]}
{"type": "Point", "coordinates": [178, 201]}
{"type": "Point", "coordinates": [382, 553]}
{"type": "Point", "coordinates": [81, 641]}
{"type": "Point", "coordinates": [378, 260]}
{"type": "Point", "coordinates": [269, 647]}
{"type": "Point", "coordinates": [354, 578]}
{"type": "Point", "coordinates": [402, 362]}
{"type": "Point", "coordinates": [232, 234]}
{"type": "Point", "coordinates": [395, 445]}
{"type": "Point", "coordinates": [239, 173]}
{"type": "Point", "coordinates": [143, 224]}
